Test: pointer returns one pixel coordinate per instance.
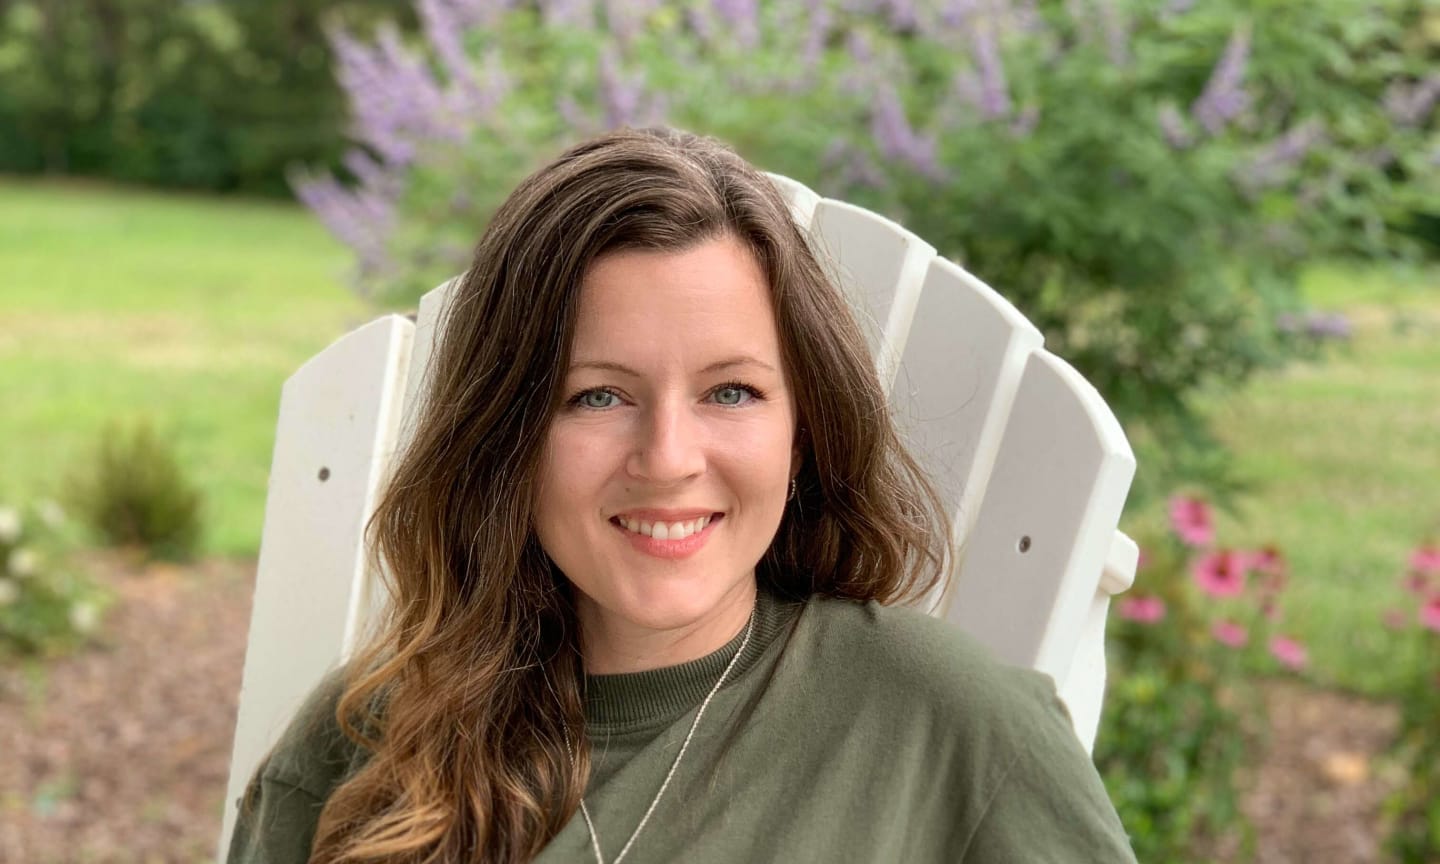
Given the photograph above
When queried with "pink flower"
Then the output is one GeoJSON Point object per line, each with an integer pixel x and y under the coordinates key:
{"type": "Point", "coordinates": [1268, 560]}
{"type": "Point", "coordinates": [1269, 610]}
{"type": "Point", "coordinates": [1415, 582]}
{"type": "Point", "coordinates": [1142, 560]}
{"type": "Point", "coordinates": [1222, 573]}
{"type": "Point", "coordinates": [1145, 610]}
{"type": "Point", "coordinates": [1271, 564]}
{"type": "Point", "coordinates": [1191, 521]}
{"type": "Point", "coordinates": [1430, 613]}
{"type": "Point", "coordinates": [1425, 560]}
{"type": "Point", "coordinates": [1396, 619]}
{"type": "Point", "coordinates": [1229, 633]}
{"type": "Point", "coordinates": [1290, 653]}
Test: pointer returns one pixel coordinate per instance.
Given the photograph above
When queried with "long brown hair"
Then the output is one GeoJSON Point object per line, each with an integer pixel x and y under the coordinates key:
{"type": "Point", "coordinates": [472, 684]}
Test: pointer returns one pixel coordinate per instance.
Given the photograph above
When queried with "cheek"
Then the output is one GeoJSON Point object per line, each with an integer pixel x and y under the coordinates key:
{"type": "Point", "coordinates": [572, 473]}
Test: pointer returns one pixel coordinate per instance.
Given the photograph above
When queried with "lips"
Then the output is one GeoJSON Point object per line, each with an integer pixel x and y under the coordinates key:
{"type": "Point", "coordinates": [693, 540]}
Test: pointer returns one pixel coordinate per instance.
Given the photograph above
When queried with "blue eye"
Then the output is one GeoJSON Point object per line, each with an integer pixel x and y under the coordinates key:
{"type": "Point", "coordinates": [738, 391]}
{"type": "Point", "coordinates": [740, 388]}
{"type": "Point", "coordinates": [584, 399]}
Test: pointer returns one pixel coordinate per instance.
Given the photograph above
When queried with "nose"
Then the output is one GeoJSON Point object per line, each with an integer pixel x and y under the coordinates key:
{"type": "Point", "coordinates": [669, 446]}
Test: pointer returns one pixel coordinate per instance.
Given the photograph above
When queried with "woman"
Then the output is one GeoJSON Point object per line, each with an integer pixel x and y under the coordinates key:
{"type": "Point", "coordinates": [641, 550]}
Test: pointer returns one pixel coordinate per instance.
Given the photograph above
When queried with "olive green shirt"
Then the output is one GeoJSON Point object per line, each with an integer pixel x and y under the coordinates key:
{"type": "Point", "coordinates": [868, 734]}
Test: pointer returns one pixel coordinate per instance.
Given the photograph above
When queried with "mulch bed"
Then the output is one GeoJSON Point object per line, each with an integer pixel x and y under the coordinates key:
{"type": "Point", "coordinates": [120, 754]}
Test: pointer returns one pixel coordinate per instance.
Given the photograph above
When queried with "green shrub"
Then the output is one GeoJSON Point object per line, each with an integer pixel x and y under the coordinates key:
{"type": "Point", "coordinates": [1176, 734]}
{"type": "Point", "coordinates": [46, 607]}
{"type": "Point", "coordinates": [1413, 811]}
{"type": "Point", "coordinates": [135, 494]}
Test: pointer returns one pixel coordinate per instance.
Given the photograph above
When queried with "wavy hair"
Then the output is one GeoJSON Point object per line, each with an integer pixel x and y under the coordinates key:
{"type": "Point", "coordinates": [469, 694]}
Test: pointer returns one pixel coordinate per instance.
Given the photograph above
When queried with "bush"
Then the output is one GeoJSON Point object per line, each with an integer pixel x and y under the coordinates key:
{"type": "Point", "coordinates": [45, 607]}
{"type": "Point", "coordinates": [1413, 811]}
{"type": "Point", "coordinates": [1142, 180]}
{"type": "Point", "coordinates": [1176, 734]}
{"type": "Point", "coordinates": [135, 494]}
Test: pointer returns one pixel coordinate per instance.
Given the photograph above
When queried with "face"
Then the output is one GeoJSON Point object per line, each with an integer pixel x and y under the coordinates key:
{"type": "Point", "coordinates": [676, 414]}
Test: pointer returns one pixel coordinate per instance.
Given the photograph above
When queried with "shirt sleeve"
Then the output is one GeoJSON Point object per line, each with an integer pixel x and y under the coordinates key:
{"type": "Point", "coordinates": [276, 824]}
{"type": "Point", "coordinates": [1050, 805]}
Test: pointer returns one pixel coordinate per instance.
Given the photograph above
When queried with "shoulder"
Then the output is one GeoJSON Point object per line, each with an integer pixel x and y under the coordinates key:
{"type": "Point", "coordinates": [928, 680]}
{"type": "Point", "coordinates": [898, 647]}
{"type": "Point", "coordinates": [313, 754]}
{"type": "Point", "coordinates": [992, 744]}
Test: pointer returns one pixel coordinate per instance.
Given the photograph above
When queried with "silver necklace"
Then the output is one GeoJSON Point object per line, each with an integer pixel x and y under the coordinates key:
{"type": "Point", "coordinates": [585, 811]}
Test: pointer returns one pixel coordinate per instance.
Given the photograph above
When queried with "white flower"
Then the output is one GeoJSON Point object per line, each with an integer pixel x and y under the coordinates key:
{"type": "Point", "coordinates": [84, 616]}
{"type": "Point", "coordinates": [51, 513]}
{"type": "Point", "coordinates": [22, 561]}
{"type": "Point", "coordinates": [9, 524]}
{"type": "Point", "coordinates": [9, 592]}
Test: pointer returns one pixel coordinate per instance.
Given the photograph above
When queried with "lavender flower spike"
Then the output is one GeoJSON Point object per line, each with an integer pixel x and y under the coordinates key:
{"type": "Point", "coordinates": [1224, 97]}
{"type": "Point", "coordinates": [1173, 127]}
{"type": "Point", "coordinates": [994, 89]}
{"type": "Point", "coordinates": [1411, 105]}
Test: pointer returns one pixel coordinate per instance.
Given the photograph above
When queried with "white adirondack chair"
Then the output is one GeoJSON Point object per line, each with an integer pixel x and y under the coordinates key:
{"type": "Point", "coordinates": [1028, 457]}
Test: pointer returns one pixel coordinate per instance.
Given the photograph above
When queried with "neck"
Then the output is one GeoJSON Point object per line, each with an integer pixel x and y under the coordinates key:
{"type": "Point", "coordinates": [614, 645]}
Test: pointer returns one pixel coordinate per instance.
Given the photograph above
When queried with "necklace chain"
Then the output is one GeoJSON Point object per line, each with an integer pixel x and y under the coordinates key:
{"type": "Point", "coordinates": [694, 724]}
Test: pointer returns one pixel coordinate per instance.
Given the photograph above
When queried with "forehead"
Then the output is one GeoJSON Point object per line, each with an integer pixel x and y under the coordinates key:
{"type": "Point", "coordinates": [690, 306]}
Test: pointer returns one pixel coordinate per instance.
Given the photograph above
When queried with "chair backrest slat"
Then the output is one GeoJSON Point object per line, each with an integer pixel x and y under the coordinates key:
{"type": "Point", "coordinates": [962, 365]}
{"type": "Point", "coordinates": [1043, 535]}
{"type": "Point", "coordinates": [339, 419]}
{"type": "Point", "coordinates": [879, 266]}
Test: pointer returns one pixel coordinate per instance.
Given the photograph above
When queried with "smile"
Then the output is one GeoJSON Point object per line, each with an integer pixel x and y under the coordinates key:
{"type": "Point", "coordinates": [664, 530]}
{"type": "Point", "coordinates": [668, 539]}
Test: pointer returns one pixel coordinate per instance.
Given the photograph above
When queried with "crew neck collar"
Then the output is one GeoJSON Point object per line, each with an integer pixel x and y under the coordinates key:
{"type": "Point", "coordinates": [629, 700]}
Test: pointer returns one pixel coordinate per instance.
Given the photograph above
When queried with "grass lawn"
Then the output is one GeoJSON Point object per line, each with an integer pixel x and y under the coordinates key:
{"type": "Point", "coordinates": [1344, 456]}
{"type": "Point", "coordinates": [117, 305]}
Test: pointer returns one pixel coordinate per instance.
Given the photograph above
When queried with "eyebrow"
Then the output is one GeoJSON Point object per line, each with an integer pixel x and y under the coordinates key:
{"type": "Point", "coordinates": [717, 366]}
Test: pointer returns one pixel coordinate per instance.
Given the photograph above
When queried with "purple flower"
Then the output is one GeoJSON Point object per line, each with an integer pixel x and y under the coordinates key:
{"type": "Point", "coordinates": [569, 13]}
{"type": "Point", "coordinates": [1117, 32]}
{"type": "Point", "coordinates": [1277, 159]}
{"type": "Point", "coordinates": [994, 90]}
{"type": "Point", "coordinates": [818, 21]}
{"type": "Point", "coordinates": [1327, 325]}
{"type": "Point", "coordinates": [902, 14]}
{"type": "Point", "coordinates": [1410, 105]}
{"type": "Point", "coordinates": [1173, 127]}
{"type": "Point", "coordinates": [623, 98]}
{"type": "Point", "coordinates": [855, 166]}
{"type": "Point", "coordinates": [361, 218]}
{"type": "Point", "coordinates": [957, 14]}
{"type": "Point", "coordinates": [737, 12]}
{"type": "Point", "coordinates": [896, 139]}
{"type": "Point", "coordinates": [1224, 97]}
{"type": "Point", "coordinates": [1025, 121]}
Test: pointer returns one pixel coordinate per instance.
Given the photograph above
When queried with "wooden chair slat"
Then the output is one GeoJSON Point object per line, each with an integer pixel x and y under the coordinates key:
{"type": "Point", "coordinates": [1043, 536]}
{"type": "Point", "coordinates": [962, 365]}
{"type": "Point", "coordinates": [879, 266]}
{"type": "Point", "coordinates": [339, 420]}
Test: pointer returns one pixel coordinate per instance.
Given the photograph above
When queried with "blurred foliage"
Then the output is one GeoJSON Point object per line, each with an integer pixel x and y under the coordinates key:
{"type": "Point", "coordinates": [204, 95]}
{"type": "Point", "coordinates": [1092, 160]}
{"type": "Point", "coordinates": [1413, 810]}
{"type": "Point", "coordinates": [135, 494]}
{"type": "Point", "coordinates": [46, 607]}
{"type": "Point", "coordinates": [1179, 727]}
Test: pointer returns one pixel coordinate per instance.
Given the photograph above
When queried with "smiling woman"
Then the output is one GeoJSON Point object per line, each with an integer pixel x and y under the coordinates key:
{"type": "Point", "coordinates": [676, 439]}
{"type": "Point", "coordinates": [643, 552]}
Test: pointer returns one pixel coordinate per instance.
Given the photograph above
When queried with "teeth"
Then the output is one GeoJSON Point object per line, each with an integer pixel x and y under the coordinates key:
{"type": "Point", "coordinates": [664, 530]}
